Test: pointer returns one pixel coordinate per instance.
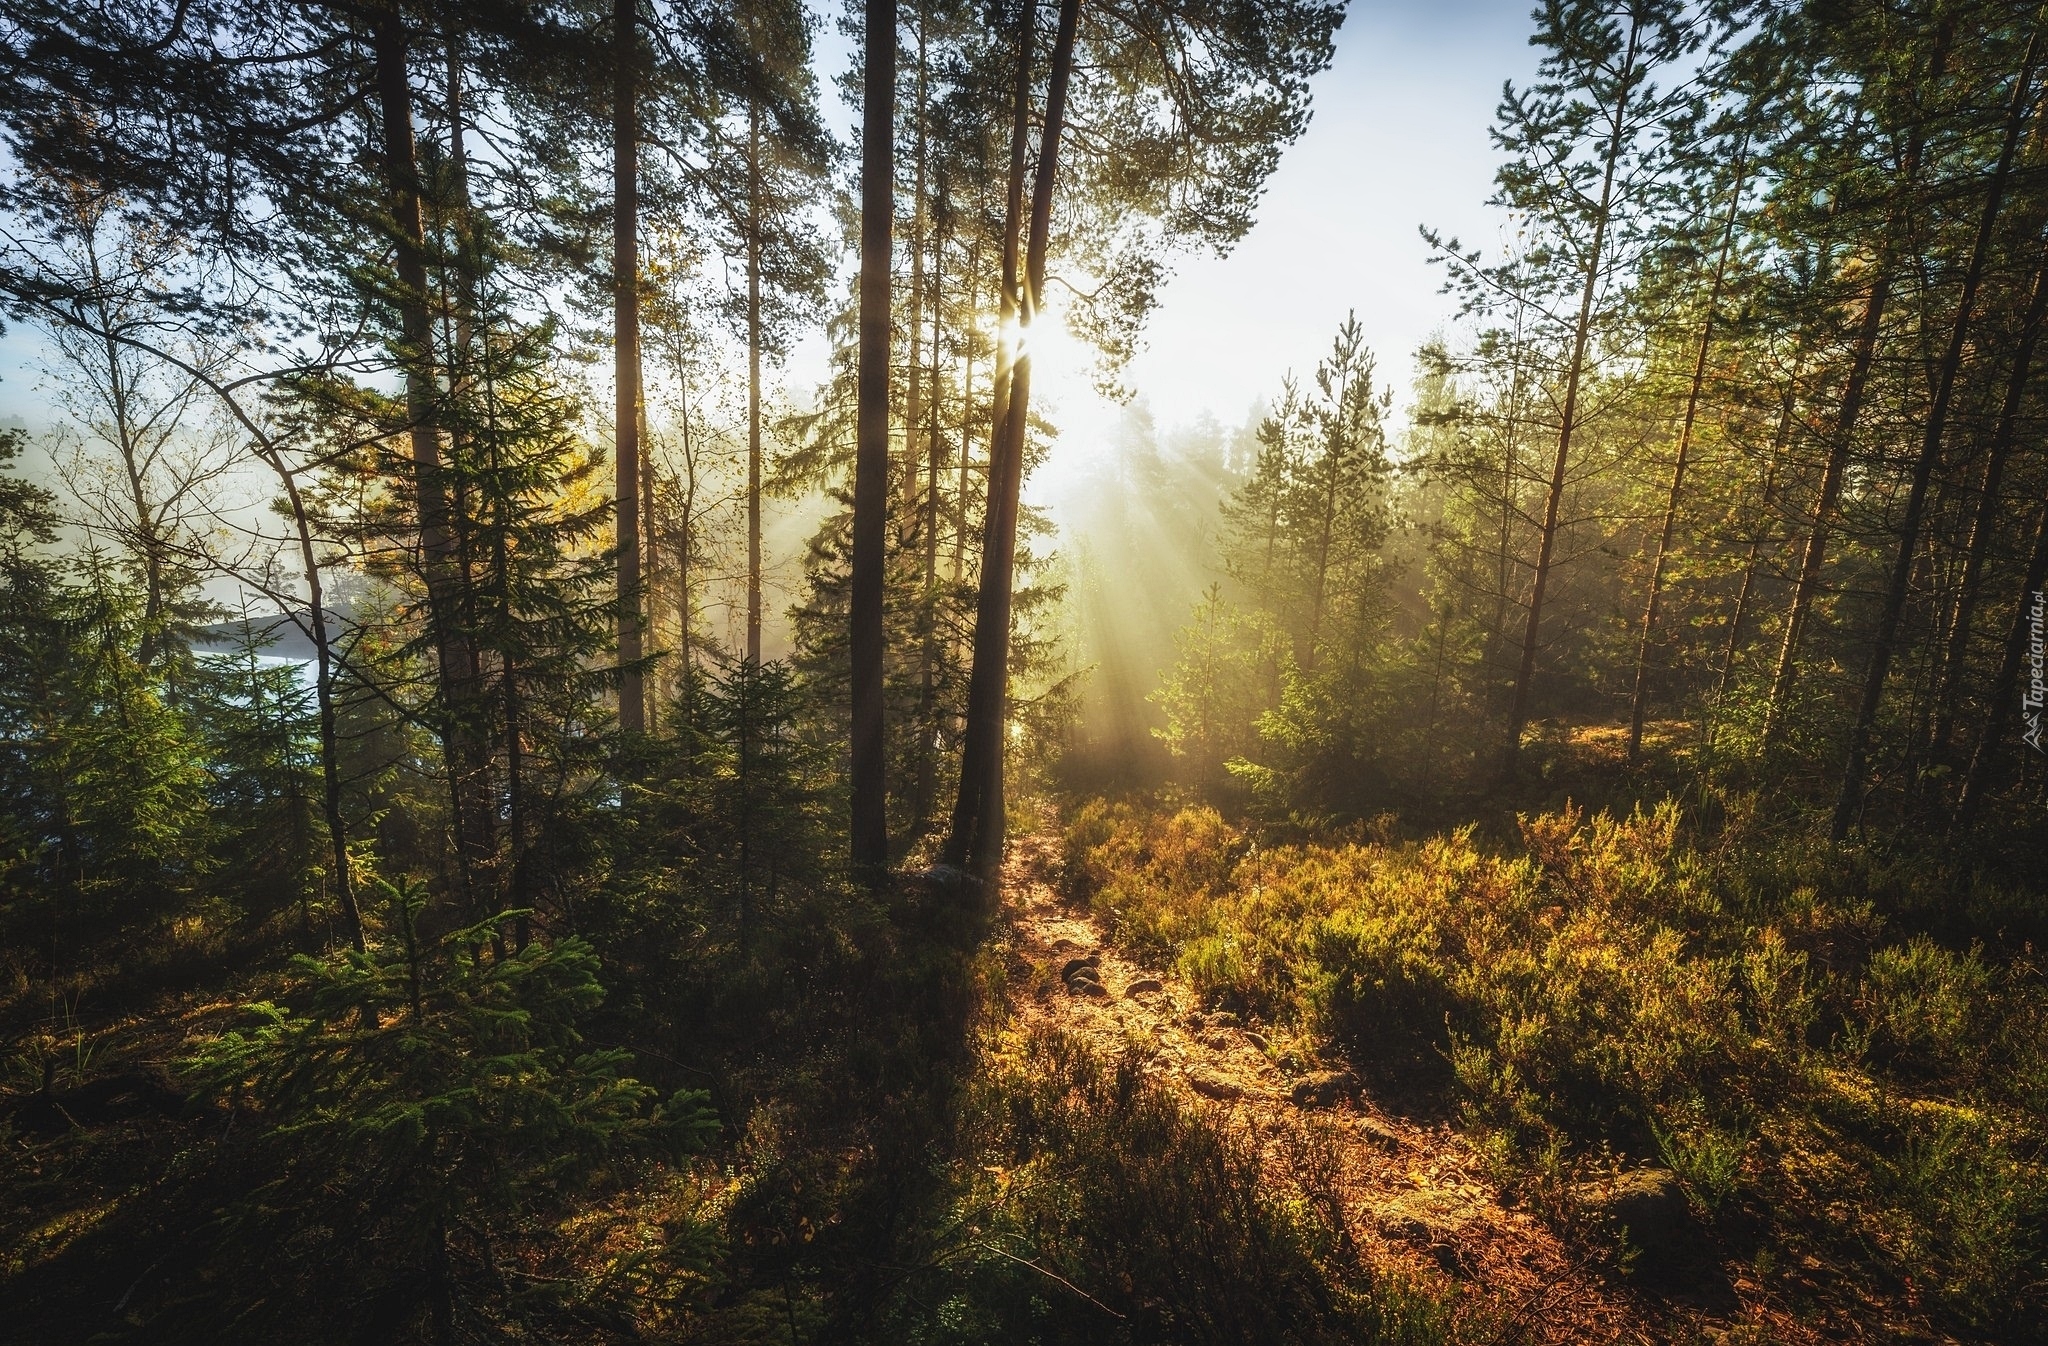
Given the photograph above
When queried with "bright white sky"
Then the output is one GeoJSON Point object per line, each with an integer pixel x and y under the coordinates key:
{"type": "Point", "coordinates": [1398, 140]}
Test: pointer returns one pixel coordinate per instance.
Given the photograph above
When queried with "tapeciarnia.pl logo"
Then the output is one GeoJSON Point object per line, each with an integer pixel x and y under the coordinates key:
{"type": "Point", "coordinates": [2036, 694]}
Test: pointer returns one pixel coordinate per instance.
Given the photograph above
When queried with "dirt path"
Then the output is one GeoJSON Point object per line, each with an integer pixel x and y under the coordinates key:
{"type": "Point", "coordinates": [1415, 1196]}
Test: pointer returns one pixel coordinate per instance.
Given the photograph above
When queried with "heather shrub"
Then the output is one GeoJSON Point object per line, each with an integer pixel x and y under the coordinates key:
{"type": "Point", "coordinates": [1107, 1209]}
{"type": "Point", "coordinates": [1619, 993]}
{"type": "Point", "coordinates": [1964, 1215]}
{"type": "Point", "coordinates": [1921, 1007]}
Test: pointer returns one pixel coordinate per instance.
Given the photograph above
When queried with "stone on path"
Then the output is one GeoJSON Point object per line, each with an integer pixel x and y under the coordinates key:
{"type": "Point", "coordinates": [1647, 1203]}
{"type": "Point", "coordinates": [1323, 1088]}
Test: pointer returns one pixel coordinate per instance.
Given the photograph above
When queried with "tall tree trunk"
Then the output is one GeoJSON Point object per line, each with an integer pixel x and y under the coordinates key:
{"type": "Point", "coordinates": [2025, 630]}
{"type": "Point", "coordinates": [1982, 523]}
{"type": "Point", "coordinates": [927, 612]}
{"type": "Point", "coordinates": [913, 368]}
{"type": "Point", "coordinates": [686, 556]}
{"type": "Point", "coordinates": [1747, 592]}
{"type": "Point", "coordinates": [1638, 703]}
{"type": "Point", "coordinates": [973, 298]}
{"type": "Point", "coordinates": [626, 352]}
{"type": "Point", "coordinates": [1334, 449]}
{"type": "Point", "coordinates": [1807, 585]}
{"type": "Point", "coordinates": [323, 697]}
{"type": "Point", "coordinates": [753, 382]}
{"type": "Point", "coordinates": [650, 543]}
{"type": "Point", "coordinates": [987, 713]}
{"type": "Point", "coordinates": [967, 806]}
{"type": "Point", "coordinates": [870, 834]}
{"type": "Point", "coordinates": [468, 759]}
{"type": "Point", "coordinates": [1510, 454]}
{"type": "Point", "coordinates": [1855, 763]}
{"type": "Point", "coordinates": [1525, 676]}
{"type": "Point", "coordinates": [515, 896]}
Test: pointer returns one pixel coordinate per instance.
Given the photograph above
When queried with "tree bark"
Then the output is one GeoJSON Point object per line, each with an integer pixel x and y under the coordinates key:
{"type": "Point", "coordinates": [982, 763]}
{"type": "Point", "coordinates": [1518, 709]}
{"type": "Point", "coordinates": [753, 382]}
{"type": "Point", "coordinates": [870, 822]}
{"type": "Point", "coordinates": [966, 413]}
{"type": "Point", "coordinates": [467, 758]}
{"type": "Point", "coordinates": [927, 612]}
{"type": "Point", "coordinates": [1956, 654]}
{"type": "Point", "coordinates": [1749, 566]}
{"type": "Point", "coordinates": [686, 554]}
{"type": "Point", "coordinates": [2005, 684]}
{"type": "Point", "coordinates": [1848, 802]}
{"type": "Point", "coordinates": [1334, 453]}
{"type": "Point", "coordinates": [1815, 551]}
{"type": "Point", "coordinates": [967, 806]}
{"type": "Point", "coordinates": [650, 545]}
{"type": "Point", "coordinates": [913, 368]}
{"type": "Point", "coordinates": [323, 697]}
{"type": "Point", "coordinates": [626, 355]}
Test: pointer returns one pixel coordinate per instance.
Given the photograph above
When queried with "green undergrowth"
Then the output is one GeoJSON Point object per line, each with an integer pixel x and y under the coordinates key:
{"type": "Point", "coordinates": [1749, 1011]}
{"type": "Point", "coordinates": [1090, 1203]}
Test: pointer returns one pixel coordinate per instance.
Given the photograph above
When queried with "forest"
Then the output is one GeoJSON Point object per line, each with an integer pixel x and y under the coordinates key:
{"type": "Point", "coordinates": [534, 810]}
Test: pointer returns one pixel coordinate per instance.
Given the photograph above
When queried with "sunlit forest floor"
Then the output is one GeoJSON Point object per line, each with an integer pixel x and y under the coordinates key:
{"type": "Point", "coordinates": [1538, 1073]}
{"type": "Point", "coordinates": [1615, 1053]}
{"type": "Point", "coordinates": [1406, 1194]}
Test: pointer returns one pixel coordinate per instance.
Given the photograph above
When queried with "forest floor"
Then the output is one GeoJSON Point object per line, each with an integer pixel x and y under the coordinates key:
{"type": "Point", "coordinates": [1418, 1200]}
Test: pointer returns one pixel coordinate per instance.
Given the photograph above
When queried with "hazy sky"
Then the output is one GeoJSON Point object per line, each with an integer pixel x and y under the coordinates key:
{"type": "Point", "coordinates": [1398, 139]}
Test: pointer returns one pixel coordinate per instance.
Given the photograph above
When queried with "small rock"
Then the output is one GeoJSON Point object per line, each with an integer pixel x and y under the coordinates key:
{"type": "Point", "coordinates": [1087, 986]}
{"type": "Point", "coordinates": [1404, 1229]}
{"type": "Point", "coordinates": [1213, 1086]}
{"type": "Point", "coordinates": [950, 881]}
{"type": "Point", "coordinates": [1448, 1259]}
{"type": "Point", "coordinates": [1065, 945]}
{"type": "Point", "coordinates": [1144, 986]}
{"type": "Point", "coordinates": [1222, 1019]}
{"type": "Point", "coordinates": [1647, 1204]}
{"type": "Point", "coordinates": [1377, 1132]}
{"type": "Point", "coordinates": [1323, 1089]}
